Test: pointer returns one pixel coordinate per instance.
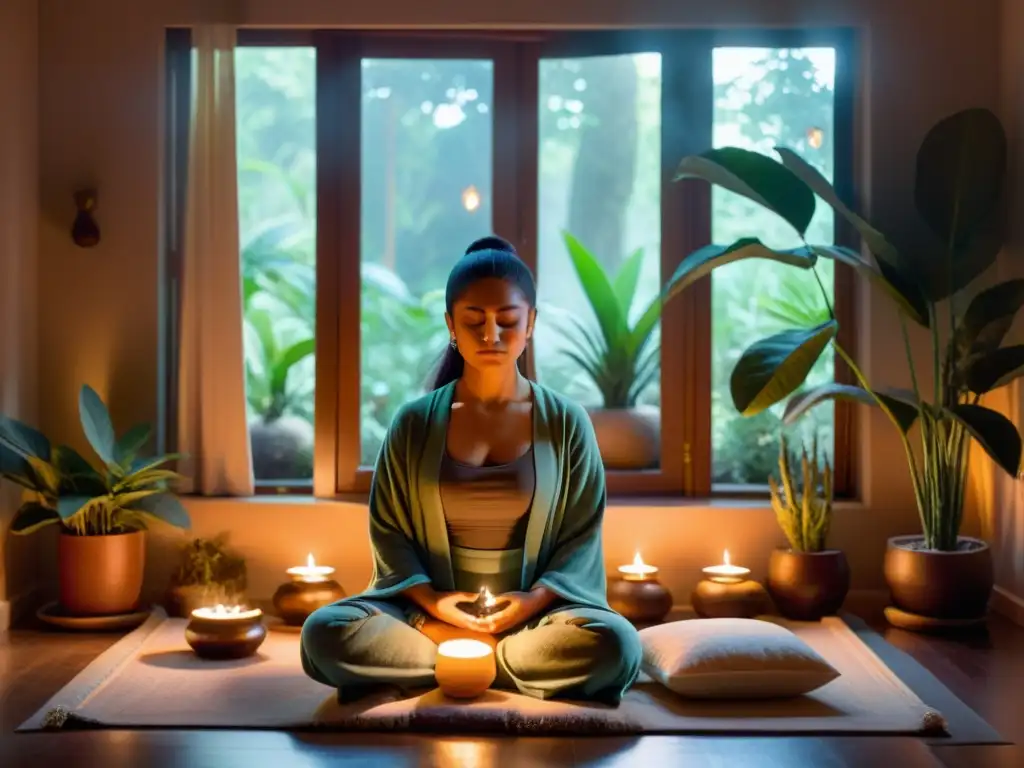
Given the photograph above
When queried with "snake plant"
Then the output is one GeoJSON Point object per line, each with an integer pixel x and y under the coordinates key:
{"type": "Point", "coordinates": [803, 508]}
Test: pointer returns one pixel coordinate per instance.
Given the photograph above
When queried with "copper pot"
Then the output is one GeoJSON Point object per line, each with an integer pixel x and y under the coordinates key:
{"type": "Point", "coordinates": [644, 601]}
{"type": "Point", "coordinates": [939, 585]}
{"type": "Point", "coordinates": [101, 575]}
{"type": "Point", "coordinates": [628, 438]}
{"type": "Point", "coordinates": [808, 585]}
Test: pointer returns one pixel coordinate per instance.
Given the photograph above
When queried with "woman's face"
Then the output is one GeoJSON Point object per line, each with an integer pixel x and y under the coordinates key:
{"type": "Point", "coordinates": [491, 322]}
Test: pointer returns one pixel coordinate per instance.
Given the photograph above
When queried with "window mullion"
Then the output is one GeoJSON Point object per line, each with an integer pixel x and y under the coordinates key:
{"type": "Point", "coordinates": [687, 113]}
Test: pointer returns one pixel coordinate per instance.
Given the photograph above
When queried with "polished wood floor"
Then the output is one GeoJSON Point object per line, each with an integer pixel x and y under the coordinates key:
{"type": "Point", "coordinates": [985, 670]}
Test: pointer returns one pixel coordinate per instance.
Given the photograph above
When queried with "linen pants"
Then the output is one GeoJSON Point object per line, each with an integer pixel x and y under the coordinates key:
{"type": "Point", "coordinates": [573, 651]}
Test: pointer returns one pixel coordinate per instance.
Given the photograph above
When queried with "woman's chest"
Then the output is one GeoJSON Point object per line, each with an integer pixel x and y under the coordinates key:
{"type": "Point", "coordinates": [478, 438]}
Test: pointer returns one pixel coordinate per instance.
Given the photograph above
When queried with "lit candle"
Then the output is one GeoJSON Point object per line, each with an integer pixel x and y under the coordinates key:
{"type": "Point", "coordinates": [638, 570]}
{"type": "Point", "coordinates": [464, 668]}
{"type": "Point", "coordinates": [727, 573]}
{"type": "Point", "coordinates": [225, 632]}
{"type": "Point", "coordinates": [310, 571]}
{"type": "Point", "coordinates": [227, 613]}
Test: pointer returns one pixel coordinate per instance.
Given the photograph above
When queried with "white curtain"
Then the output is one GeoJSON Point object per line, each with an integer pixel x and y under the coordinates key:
{"type": "Point", "coordinates": [212, 426]}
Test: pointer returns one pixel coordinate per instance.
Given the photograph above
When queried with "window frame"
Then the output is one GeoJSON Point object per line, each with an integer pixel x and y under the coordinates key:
{"type": "Point", "coordinates": [687, 122]}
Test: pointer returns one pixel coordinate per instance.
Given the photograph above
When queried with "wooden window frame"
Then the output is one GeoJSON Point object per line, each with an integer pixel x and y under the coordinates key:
{"type": "Point", "coordinates": [687, 111]}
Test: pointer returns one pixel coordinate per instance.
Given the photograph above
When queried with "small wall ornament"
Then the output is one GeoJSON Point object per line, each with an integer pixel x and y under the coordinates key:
{"type": "Point", "coordinates": [85, 232]}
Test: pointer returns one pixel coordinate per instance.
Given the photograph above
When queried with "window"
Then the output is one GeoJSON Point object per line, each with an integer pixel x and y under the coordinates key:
{"type": "Point", "coordinates": [368, 161]}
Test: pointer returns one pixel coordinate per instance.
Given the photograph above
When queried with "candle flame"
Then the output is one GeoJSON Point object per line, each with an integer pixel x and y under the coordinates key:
{"type": "Point", "coordinates": [470, 198]}
{"type": "Point", "coordinates": [310, 562]}
{"type": "Point", "coordinates": [725, 557]}
{"type": "Point", "coordinates": [637, 560]}
{"type": "Point", "coordinates": [489, 599]}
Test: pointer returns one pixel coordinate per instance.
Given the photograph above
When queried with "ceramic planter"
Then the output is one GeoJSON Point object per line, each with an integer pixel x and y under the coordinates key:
{"type": "Point", "coordinates": [940, 585]}
{"type": "Point", "coordinates": [808, 585]}
{"type": "Point", "coordinates": [628, 438]}
{"type": "Point", "coordinates": [101, 575]}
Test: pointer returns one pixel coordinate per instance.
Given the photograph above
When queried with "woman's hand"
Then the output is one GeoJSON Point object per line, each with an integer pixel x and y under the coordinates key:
{"type": "Point", "coordinates": [445, 608]}
{"type": "Point", "coordinates": [522, 606]}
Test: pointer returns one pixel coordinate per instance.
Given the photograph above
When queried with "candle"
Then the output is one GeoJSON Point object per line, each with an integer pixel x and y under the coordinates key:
{"type": "Point", "coordinates": [638, 570]}
{"type": "Point", "coordinates": [464, 668]}
{"type": "Point", "coordinates": [727, 573]}
{"type": "Point", "coordinates": [310, 571]}
{"type": "Point", "coordinates": [638, 595]}
{"type": "Point", "coordinates": [225, 632]}
{"type": "Point", "coordinates": [310, 588]}
{"type": "Point", "coordinates": [227, 613]}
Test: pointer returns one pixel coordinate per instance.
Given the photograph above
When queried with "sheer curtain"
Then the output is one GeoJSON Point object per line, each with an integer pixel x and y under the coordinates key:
{"type": "Point", "coordinates": [212, 427]}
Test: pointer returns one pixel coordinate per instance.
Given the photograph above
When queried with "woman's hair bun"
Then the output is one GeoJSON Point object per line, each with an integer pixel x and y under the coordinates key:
{"type": "Point", "coordinates": [491, 243]}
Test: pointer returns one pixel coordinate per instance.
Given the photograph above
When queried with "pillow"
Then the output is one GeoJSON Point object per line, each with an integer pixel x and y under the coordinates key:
{"type": "Point", "coordinates": [732, 659]}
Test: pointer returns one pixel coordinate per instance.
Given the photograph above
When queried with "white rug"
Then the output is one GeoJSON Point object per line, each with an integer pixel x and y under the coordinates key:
{"type": "Point", "coordinates": [151, 678]}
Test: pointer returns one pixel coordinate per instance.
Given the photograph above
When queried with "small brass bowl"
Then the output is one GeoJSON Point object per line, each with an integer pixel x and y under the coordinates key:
{"type": "Point", "coordinates": [214, 634]}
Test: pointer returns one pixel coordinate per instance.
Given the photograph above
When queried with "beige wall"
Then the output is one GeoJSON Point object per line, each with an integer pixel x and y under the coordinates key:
{"type": "Point", "coordinates": [1007, 513]}
{"type": "Point", "coordinates": [18, 226]}
{"type": "Point", "coordinates": [100, 121]}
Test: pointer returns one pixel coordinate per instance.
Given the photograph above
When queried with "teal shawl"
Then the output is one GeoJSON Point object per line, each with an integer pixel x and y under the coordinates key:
{"type": "Point", "coordinates": [563, 551]}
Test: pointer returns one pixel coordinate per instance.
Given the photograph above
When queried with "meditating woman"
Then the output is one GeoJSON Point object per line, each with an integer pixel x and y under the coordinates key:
{"type": "Point", "coordinates": [489, 481]}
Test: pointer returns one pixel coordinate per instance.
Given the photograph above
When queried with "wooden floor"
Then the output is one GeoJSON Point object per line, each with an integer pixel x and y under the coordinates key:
{"type": "Point", "coordinates": [986, 671]}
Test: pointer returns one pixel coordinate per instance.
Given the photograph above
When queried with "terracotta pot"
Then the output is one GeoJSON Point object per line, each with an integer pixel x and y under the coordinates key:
{"type": "Point", "coordinates": [940, 585]}
{"type": "Point", "coordinates": [808, 585]}
{"type": "Point", "coordinates": [628, 438]}
{"type": "Point", "coordinates": [101, 575]}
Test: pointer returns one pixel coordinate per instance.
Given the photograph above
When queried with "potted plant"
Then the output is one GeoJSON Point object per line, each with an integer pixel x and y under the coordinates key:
{"type": "Point", "coordinates": [806, 580]}
{"type": "Point", "coordinates": [937, 574]}
{"type": "Point", "coordinates": [621, 358]}
{"type": "Point", "coordinates": [102, 512]}
{"type": "Point", "coordinates": [207, 574]}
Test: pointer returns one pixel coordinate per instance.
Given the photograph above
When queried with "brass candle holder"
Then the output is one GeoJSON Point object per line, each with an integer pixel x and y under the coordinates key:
{"type": "Point", "coordinates": [638, 595]}
{"type": "Point", "coordinates": [310, 588]}
{"type": "Point", "coordinates": [223, 632]}
{"type": "Point", "coordinates": [727, 593]}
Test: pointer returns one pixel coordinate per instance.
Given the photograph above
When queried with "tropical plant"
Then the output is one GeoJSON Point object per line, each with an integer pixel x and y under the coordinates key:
{"type": "Point", "coordinates": [124, 494]}
{"type": "Point", "coordinates": [960, 169]}
{"type": "Point", "coordinates": [804, 510]}
{"type": "Point", "coordinates": [207, 563]}
{"type": "Point", "coordinates": [617, 356]}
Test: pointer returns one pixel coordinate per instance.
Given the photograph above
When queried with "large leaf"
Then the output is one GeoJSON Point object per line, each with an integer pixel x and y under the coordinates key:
{"type": "Point", "coordinates": [772, 368]}
{"type": "Point", "coordinates": [295, 353]}
{"type": "Point", "coordinates": [15, 467]}
{"type": "Point", "coordinates": [31, 517]}
{"type": "Point", "coordinates": [23, 439]}
{"type": "Point", "coordinates": [994, 369]}
{"type": "Point", "coordinates": [626, 280]}
{"type": "Point", "coordinates": [131, 442]}
{"type": "Point", "coordinates": [961, 165]}
{"type": "Point", "coordinates": [641, 332]}
{"type": "Point", "coordinates": [896, 278]}
{"type": "Point", "coordinates": [906, 295]}
{"type": "Point", "coordinates": [809, 175]}
{"type": "Point", "coordinates": [901, 404]}
{"type": "Point", "coordinates": [989, 317]}
{"type": "Point", "coordinates": [165, 507]}
{"type": "Point", "coordinates": [97, 425]}
{"type": "Point", "coordinates": [69, 506]}
{"type": "Point", "coordinates": [995, 433]}
{"type": "Point", "coordinates": [599, 291]}
{"type": "Point", "coordinates": [704, 260]}
{"type": "Point", "coordinates": [756, 177]}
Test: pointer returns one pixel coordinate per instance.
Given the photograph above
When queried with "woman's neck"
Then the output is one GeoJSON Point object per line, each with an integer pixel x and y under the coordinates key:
{"type": "Point", "coordinates": [494, 385]}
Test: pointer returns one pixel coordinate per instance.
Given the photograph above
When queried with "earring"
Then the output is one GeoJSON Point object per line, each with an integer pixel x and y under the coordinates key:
{"type": "Point", "coordinates": [455, 344]}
